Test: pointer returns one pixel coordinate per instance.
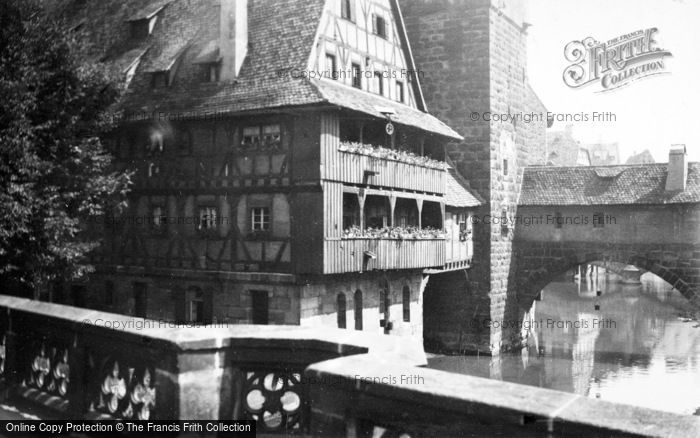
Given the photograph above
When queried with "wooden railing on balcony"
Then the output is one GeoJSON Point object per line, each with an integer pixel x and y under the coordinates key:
{"type": "Point", "coordinates": [355, 168]}
{"type": "Point", "coordinates": [363, 254]}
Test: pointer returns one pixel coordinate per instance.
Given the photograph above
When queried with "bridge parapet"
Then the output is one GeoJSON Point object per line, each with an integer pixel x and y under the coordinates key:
{"type": "Point", "coordinates": [355, 397]}
{"type": "Point", "coordinates": [292, 380]}
{"type": "Point", "coordinates": [82, 364]}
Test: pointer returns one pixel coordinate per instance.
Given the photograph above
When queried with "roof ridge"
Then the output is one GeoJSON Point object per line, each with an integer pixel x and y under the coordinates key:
{"type": "Point", "coordinates": [542, 166]}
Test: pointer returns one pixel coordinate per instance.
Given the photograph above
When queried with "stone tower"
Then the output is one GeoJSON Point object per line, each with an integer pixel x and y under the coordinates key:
{"type": "Point", "coordinates": [472, 59]}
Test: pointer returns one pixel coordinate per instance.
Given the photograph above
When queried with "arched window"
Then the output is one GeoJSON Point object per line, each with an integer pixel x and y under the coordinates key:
{"type": "Point", "coordinates": [342, 308]}
{"type": "Point", "coordinates": [384, 303]}
{"type": "Point", "coordinates": [406, 301]}
{"type": "Point", "coordinates": [358, 309]}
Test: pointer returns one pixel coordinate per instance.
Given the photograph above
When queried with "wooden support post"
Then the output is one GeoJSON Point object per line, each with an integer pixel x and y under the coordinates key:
{"type": "Point", "coordinates": [442, 214]}
{"type": "Point", "coordinates": [419, 203]}
{"type": "Point", "coordinates": [392, 208]}
{"type": "Point", "coordinates": [361, 200]}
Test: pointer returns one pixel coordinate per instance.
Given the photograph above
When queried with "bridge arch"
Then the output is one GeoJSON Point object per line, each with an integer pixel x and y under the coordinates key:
{"type": "Point", "coordinates": [539, 263]}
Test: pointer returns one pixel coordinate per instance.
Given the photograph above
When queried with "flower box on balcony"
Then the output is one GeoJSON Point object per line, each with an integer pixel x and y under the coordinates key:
{"type": "Point", "coordinates": [391, 154]}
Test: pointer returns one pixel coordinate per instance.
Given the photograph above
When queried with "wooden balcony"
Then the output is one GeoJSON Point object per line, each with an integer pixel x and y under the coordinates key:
{"type": "Point", "coordinates": [364, 254]}
{"type": "Point", "coordinates": [356, 168]}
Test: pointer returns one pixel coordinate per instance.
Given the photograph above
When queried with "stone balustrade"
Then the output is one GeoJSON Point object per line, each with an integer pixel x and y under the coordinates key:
{"type": "Point", "coordinates": [83, 364]}
{"type": "Point", "coordinates": [357, 397]}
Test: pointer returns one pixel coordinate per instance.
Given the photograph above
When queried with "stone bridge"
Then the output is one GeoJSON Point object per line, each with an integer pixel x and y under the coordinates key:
{"type": "Point", "coordinates": [538, 263]}
{"type": "Point", "coordinates": [647, 216]}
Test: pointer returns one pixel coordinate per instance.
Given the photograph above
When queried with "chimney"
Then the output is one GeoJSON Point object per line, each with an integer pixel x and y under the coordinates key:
{"type": "Point", "coordinates": [677, 172]}
{"type": "Point", "coordinates": [233, 37]}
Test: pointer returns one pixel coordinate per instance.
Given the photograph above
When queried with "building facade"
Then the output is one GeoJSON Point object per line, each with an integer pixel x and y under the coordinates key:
{"type": "Point", "coordinates": [286, 168]}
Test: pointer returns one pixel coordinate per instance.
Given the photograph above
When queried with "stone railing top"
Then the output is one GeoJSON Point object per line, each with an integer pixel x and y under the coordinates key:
{"type": "Point", "coordinates": [167, 335]}
{"type": "Point", "coordinates": [445, 392]}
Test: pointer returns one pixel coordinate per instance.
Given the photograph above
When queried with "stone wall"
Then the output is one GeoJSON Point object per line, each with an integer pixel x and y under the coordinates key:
{"type": "Point", "coordinates": [227, 299]}
{"type": "Point", "coordinates": [309, 302]}
{"type": "Point", "coordinates": [473, 56]}
{"type": "Point", "coordinates": [319, 298]}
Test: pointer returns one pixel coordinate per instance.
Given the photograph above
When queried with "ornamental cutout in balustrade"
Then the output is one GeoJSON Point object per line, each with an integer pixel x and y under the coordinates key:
{"type": "Point", "coordinates": [49, 371]}
{"type": "Point", "coordinates": [3, 355]}
{"type": "Point", "coordinates": [125, 392]}
{"type": "Point", "coordinates": [273, 399]}
{"type": "Point", "coordinates": [386, 431]}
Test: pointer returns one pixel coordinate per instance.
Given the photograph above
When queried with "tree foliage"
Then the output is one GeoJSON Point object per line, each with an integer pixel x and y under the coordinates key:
{"type": "Point", "coordinates": [55, 172]}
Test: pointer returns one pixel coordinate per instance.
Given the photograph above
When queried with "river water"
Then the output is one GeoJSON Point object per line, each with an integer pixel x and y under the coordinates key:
{"type": "Point", "coordinates": [636, 347]}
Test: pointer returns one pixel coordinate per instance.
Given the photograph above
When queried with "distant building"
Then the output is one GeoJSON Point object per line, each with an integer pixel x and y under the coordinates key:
{"type": "Point", "coordinates": [564, 150]}
{"type": "Point", "coordinates": [604, 154]}
{"type": "Point", "coordinates": [641, 158]}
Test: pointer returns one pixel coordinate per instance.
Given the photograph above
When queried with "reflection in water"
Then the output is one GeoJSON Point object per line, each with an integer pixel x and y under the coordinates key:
{"type": "Point", "coordinates": [632, 344]}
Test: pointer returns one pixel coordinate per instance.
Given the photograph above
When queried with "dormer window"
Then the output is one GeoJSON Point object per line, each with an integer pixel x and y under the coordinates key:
{"type": "Point", "coordinates": [347, 9]}
{"type": "Point", "coordinates": [159, 79]}
{"type": "Point", "coordinates": [379, 26]}
{"type": "Point", "coordinates": [211, 72]}
{"type": "Point", "coordinates": [140, 29]}
{"type": "Point", "coordinates": [209, 60]}
{"type": "Point", "coordinates": [143, 21]}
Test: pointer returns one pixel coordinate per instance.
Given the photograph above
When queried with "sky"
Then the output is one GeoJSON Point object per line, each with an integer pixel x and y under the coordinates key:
{"type": "Point", "coordinates": [653, 113]}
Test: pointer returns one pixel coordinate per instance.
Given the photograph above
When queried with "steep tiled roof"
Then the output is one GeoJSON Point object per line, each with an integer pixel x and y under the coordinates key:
{"type": "Point", "coordinates": [606, 185]}
{"type": "Point", "coordinates": [122, 62]}
{"type": "Point", "coordinates": [458, 193]}
{"type": "Point", "coordinates": [281, 35]}
{"type": "Point", "coordinates": [149, 10]}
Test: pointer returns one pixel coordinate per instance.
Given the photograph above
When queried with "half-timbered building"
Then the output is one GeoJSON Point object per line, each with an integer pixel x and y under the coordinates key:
{"type": "Point", "coordinates": [287, 170]}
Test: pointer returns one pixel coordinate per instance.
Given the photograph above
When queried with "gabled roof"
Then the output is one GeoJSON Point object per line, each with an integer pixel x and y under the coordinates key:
{"type": "Point", "coordinates": [281, 37]}
{"type": "Point", "coordinates": [124, 61]}
{"type": "Point", "coordinates": [606, 185]}
{"type": "Point", "coordinates": [458, 193]}
{"type": "Point", "coordinates": [168, 56]}
{"type": "Point", "coordinates": [209, 54]}
{"type": "Point", "coordinates": [149, 10]}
